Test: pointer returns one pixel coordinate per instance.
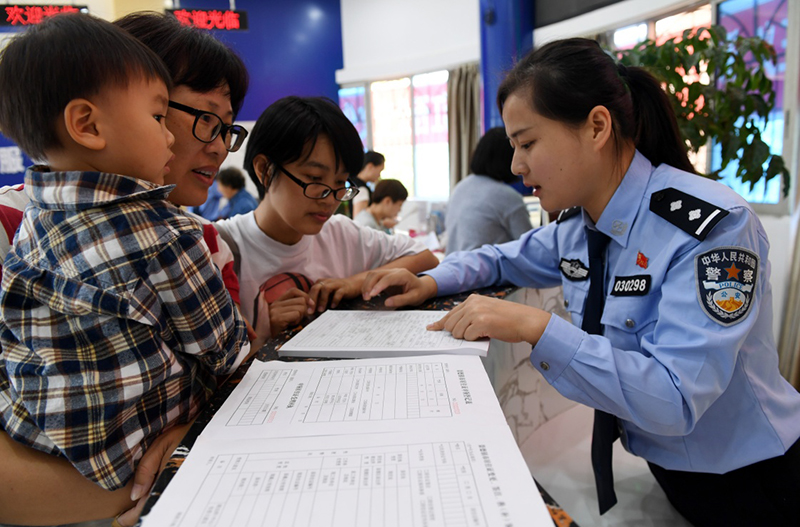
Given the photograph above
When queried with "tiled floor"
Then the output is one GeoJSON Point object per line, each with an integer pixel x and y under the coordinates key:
{"type": "Point", "coordinates": [558, 456]}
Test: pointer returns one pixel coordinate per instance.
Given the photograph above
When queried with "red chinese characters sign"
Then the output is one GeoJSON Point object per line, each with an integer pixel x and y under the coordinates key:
{"type": "Point", "coordinates": [211, 18]}
{"type": "Point", "coordinates": [28, 15]}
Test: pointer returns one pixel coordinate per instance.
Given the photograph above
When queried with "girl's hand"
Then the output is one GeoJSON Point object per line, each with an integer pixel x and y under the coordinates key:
{"type": "Point", "coordinates": [414, 289]}
{"type": "Point", "coordinates": [289, 310]}
{"type": "Point", "coordinates": [481, 317]}
{"type": "Point", "coordinates": [332, 291]}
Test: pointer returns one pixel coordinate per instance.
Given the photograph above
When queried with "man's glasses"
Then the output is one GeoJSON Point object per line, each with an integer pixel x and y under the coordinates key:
{"type": "Point", "coordinates": [321, 190]}
{"type": "Point", "coordinates": [207, 126]}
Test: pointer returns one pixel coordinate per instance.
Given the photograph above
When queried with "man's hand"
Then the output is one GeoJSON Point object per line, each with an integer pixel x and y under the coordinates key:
{"type": "Point", "coordinates": [414, 290]}
{"type": "Point", "coordinates": [481, 317]}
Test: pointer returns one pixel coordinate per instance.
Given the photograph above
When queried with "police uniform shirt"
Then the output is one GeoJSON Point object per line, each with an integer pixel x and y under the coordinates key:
{"type": "Point", "coordinates": [688, 360]}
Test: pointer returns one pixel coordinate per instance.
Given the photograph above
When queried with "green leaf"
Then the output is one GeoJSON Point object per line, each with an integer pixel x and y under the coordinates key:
{"type": "Point", "coordinates": [736, 103]}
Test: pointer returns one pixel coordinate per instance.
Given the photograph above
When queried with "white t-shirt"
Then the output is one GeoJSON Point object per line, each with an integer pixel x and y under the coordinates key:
{"type": "Point", "coordinates": [341, 249]}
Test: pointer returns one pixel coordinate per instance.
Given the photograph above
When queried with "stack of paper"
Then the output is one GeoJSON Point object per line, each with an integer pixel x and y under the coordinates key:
{"type": "Point", "coordinates": [365, 334]}
{"type": "Point", "coordinates": [414, 441]}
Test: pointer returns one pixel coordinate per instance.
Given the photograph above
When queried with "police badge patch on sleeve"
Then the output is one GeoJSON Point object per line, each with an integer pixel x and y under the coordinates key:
{"type": "Point", "coordinates": [726, 281]}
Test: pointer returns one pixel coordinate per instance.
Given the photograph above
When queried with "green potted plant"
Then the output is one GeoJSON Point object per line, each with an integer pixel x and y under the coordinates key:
{"type": "Point", "coordinates": [720, 91]}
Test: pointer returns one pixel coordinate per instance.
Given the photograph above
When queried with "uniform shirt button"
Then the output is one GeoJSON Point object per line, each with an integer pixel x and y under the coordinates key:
{"type": "Point", "coordinates": [566, 303]}
{"type": "Point", "coordinates": [630, 323]}
{"type": "Point", "coordinates": [544, 365]}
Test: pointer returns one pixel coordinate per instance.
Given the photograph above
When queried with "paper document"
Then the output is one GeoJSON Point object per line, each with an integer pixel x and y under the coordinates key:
{"type": "Point", "coordinates": [371, 480]}
{"type": "Point", "coordinates": [285, 399]}
{"type": "Point", "coordinates": [396, 442]}
{"type": "Point", "coordinates": [363, 334]}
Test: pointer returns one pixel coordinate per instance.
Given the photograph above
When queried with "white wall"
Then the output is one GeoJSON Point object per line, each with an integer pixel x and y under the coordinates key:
{"type": "Point", "coordinates": [609, 17]}
{"type": "Point", "coordinates": [390, 38]}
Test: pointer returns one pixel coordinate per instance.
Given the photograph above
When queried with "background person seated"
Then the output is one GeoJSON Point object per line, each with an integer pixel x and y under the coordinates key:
{"type": "Point", "coordinates": [484, 208]}
{"type": "Point", "coordinates": [366, 180]}
{"type": "Point", "coordinates": [231, 183]}
{"type": "Point", "coordinates": [387, 200]}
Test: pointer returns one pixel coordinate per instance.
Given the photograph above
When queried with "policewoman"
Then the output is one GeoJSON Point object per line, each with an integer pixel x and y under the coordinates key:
{"type": "Point", "coordinates": [666, 277]}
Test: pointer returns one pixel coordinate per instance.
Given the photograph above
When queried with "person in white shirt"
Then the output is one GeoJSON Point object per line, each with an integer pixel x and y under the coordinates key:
{"type": "Point", "coordinates": [387, 200]}
{"type": "Point", "coordinates": [293, 255]}
{"type": "Point", "coordinates": [366, 180]}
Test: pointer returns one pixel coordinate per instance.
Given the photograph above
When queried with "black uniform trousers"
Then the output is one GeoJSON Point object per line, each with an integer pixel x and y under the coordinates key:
{"type": "Point", "coordinates": [766, 493]}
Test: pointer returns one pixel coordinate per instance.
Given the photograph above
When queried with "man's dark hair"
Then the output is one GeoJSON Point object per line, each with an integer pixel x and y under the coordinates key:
{"type": "Point", "coordinates": [194, 57]}
{"type": "Point", "coordinates": [66, 57]}
{"type": "Point", "coordinates": [492, 156]}
{"type": "Point", "coordinates": [231, 177]}
{"type": "Point", "coordinates": [288, 131]}
{"type": "Point", "coordinates": [373, 157]}
{"type": "Point", "coordinates": [389, 188]}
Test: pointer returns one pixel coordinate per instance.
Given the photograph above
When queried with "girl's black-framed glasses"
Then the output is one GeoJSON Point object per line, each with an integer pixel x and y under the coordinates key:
{"type": "Point", "coordinates": [321, 190]}
{"type": "Point", "coordinates": [208, 126]}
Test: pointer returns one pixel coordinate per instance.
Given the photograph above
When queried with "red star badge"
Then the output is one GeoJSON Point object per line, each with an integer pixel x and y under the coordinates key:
{"type": "Point", "coordinates": [641, 260]}
{"type": "Point", "coordinates": [733, 272]}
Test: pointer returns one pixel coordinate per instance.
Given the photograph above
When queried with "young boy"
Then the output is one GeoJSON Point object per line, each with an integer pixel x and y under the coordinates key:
{"type": "Point", "coordinates": [387, 200]}
{"type": "Point", "coordinates": [114, 320]}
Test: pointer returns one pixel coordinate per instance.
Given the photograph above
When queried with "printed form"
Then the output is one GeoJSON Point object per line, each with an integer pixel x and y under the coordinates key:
{"type": "Point", "coordinates": [361, 334]}
{"type": "Point", "coordinates": [370, 480]}
{"type": "Point", "coordinates": [415, 441]}
{"type": "Point", "coordinates": [288, 399]}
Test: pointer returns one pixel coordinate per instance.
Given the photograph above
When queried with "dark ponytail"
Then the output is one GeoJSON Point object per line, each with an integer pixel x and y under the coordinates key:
{"type": "Point", "coordinates": [565, 79]}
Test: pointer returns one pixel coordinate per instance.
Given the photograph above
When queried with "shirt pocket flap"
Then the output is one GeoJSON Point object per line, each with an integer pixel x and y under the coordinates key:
{"type": "Point", "coordinates": [630, 314]}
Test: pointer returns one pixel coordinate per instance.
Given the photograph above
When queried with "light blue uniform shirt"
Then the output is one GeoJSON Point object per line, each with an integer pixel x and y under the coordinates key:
{"type": "Point", "coordinates": [695, 388]}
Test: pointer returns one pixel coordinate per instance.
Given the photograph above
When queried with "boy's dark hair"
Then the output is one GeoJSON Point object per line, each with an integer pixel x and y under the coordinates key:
{"type": "Point", "coordinates": [288, 130]}
{"type": "Point", "coordinates": [565, 79]}
{"type": "Point", "coordinates": [492, 156]}
{"type": "Point", "coordinates": [231, 177]}
{"type": "Point", "coordinates": [194, 57]}
{"type": "Point", "coordinates": [374, 158]}
{"type": "Point", "coordinates": [389, 188]}
{"type": "Point", "coordinates": [66, 57]}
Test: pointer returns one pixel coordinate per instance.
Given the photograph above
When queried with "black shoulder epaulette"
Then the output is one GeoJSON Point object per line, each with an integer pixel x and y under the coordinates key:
{"type": "Point", "coordinates": [690, 214]}
{"type": "Point", "coordinates": [567, 214]}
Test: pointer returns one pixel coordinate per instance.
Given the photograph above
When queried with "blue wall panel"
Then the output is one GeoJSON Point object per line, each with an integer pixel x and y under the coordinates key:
{"type": "Point", "coordinates": [506, 36]}
{"type": "Point", "coordinates": [292, 48]}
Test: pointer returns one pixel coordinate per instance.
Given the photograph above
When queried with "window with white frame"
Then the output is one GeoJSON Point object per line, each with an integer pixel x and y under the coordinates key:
{"type": "Point", "coordinates": [406, 120]}
{"type": "Point", "coordinates": [768, 19]}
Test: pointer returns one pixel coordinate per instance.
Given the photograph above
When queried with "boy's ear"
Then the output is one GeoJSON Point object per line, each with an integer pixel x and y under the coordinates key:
{"type": "Point", "coordinates": [80, 120]}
